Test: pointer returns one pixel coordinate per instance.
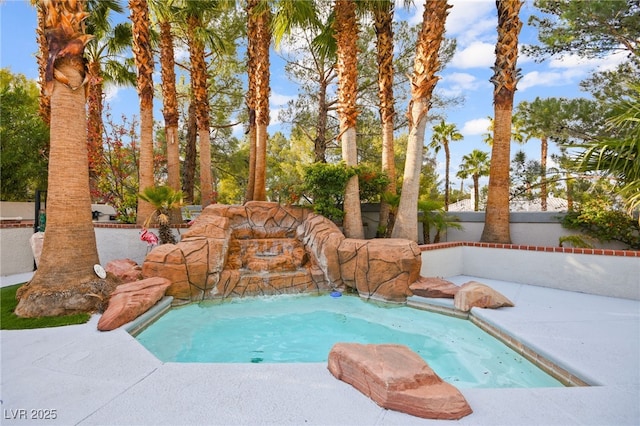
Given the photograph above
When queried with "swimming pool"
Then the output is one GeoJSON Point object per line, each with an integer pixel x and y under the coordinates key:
{"type": "Point", "coordinates": [294, 329]}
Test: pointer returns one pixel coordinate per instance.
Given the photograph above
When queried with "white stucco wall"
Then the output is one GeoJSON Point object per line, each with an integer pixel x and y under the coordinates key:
{"type": "Point", "coordinates": [442, 263]}
{"type": "Point", "coordinates": [613, 276]}
{"type": "Point", "coordinates": [15, 251]}
{"type": "Point", "coordinates": [113, 243]}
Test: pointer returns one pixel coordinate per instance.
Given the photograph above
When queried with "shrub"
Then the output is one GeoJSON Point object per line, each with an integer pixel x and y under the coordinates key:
{"type": "Point", "coordinates": [597, 219]}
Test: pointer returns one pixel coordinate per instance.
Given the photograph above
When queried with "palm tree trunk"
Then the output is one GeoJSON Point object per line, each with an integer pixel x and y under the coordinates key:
{"type": "Point", "coordinates": [259, 190]}
{"type": "Point", "coordinates": [251, 180]}
{"type": "Point", "coordinates": [346, 30]}
{"type": "Point", "coordinates": [423, 81]}
{"type": "Point", "coordinates": [94, 123]}
{"type": "Point", "coordinates": [543, 173]}
{"type": "Point", "coordinates": [476, 192]}
{"type": "Point", "coordinates": [144, 63]}
{"type": "Point", "coordinates": [69, 223]}
{"type": "Point", "coordinates": [65, 281]}
{"type": "Point", "coordinates": [170, 110]}
{"type": "Point", "coordinates": [170, 104]}
{"type": "Point", "coordinates": [44, 107]}
{"type": "Point", "coordinates": [320, 140]}
{"type": "Point", "coordinates": [201, 97]}
{"type": "Point", "coordinates": [383, 18]}
{"type": "Point", "coordinates": [406, 221]}
{"type": "Point", "coordinates": [263, 90]}
{"type": "Point", "coordinates": [206, 177]}
{"type": "Point", "coordinates": [447, 164]}
{"type": "Point", "coordinates": [496, 226]}
{"type": "Point", "coordinates": [190, 156]}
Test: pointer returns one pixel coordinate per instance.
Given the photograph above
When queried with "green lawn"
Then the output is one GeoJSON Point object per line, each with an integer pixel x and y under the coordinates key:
{"type": "Point", "coordinates": [10, 321]}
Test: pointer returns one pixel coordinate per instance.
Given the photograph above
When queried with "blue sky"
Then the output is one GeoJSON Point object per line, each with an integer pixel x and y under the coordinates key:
{"type": "Point", "coordinates": [471, 22]}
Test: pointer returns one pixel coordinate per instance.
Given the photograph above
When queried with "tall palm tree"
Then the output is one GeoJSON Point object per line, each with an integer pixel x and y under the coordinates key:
{"type": "Point", "coordinates": [196, 15]}
{"type": "Point", "coordinates": [505, 78]}
{"type": "Point", "coordinates": [382, 22]}
{"type": "Point", "coordinates": [164, 12]}
{"type": "Point", "coordinates": [141, 31]}
{"type": "Point", "coordinates": [346, 30]}
{"type": "Point", "coordinates": [444, 133]}
{"type": "Point", "coordinates": [65, 281]}
{"type": "Point", "coordinates": [423, 81]}
{"type": "Point", "coordinates": [474, 164]}
{"type": "Point", "coordinates": [259, 41]}
{"type": "Point", "coordinates": [106, 65]}
{"type": "Point", "coordinates": [200, 98]}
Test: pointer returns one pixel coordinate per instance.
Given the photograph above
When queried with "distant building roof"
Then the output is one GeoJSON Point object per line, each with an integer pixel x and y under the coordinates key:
{"type": "Point", "coordinates": [553, 205]}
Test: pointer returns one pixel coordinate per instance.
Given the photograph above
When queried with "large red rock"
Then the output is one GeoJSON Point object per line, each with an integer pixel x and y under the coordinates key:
{"type": "Point", "coordinates": [382, 268]}
{"type": "Point", "coordinates": [475, 294]}
{"type": "Point", "coordinates": [129, 301]}
{"type": "Point", "coordinates": [434, 287]}
{"type": "Point", "coordinates": [125, 269]}
{"type": "Point", "coordinates": [397, 378]}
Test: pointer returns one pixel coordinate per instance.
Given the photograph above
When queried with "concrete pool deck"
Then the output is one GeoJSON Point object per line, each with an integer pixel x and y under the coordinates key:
{"type": "Point", "coordinates": [96, 378]}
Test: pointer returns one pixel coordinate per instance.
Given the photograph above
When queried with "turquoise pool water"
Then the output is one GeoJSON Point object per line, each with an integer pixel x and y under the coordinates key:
{"type": "Point", "coordinates": [304, 328]}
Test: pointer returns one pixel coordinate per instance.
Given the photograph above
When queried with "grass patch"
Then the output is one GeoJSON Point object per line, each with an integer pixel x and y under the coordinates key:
{"type": "Point", "coordinates": [10, 321]}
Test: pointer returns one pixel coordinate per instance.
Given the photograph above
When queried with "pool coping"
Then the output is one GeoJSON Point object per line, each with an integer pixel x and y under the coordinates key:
{"type": "Point", "coordinates": [533, 353]}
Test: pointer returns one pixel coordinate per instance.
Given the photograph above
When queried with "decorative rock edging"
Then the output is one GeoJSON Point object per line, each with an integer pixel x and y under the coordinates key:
{"type": "Point", "coordinates": [211, 260]}
{"type": "Point", "coordinates": [128, 301]}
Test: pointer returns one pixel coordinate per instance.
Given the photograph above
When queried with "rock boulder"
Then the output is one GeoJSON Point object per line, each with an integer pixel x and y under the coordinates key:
{"type": "Point", "coordinates": [434, 287]}
{"type": "Point", "coordinates": [475, 294]}
{"type": "Point", "coordinates": [129, 301]}
{"type": "Point", "coordinates": [125, 269]}
{"type": "Point", "coordinates": [397, 378]}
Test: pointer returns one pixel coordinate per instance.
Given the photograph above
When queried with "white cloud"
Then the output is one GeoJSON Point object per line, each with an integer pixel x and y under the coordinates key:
{"type": "Point", "coordinates": [462, 80]}
{"type": "Point", "coordinates": [468, 20]}
{"type": "Point", "coordinates": [588, 64]}
{"type": "Point", "coordinates": [273, 117]}
{"type": "Point", "coordinates": [476, 126]}
{"type": "Point", "coordinates": [111, 92]}
{"type": "Point", "coordinates": [472, 21]}
{"type": "Point", "coordinates": [278, 99]}
{"type": "Point", "coordinates": [537, 78]}
{"type": "Point", "coordinates": [458, 83]}
{"type": "Point", "coordinates": [476, 55]}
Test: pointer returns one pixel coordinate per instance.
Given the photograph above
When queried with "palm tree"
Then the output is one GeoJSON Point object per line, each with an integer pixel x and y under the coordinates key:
{"type": "Point", "coordinates": [141, 31]}
{"type": "Point", "coordinates": [195, 14]}
{"type": "Point", "coordinates": [259, 41]}
{"type": "Point", "coordinates": [163, 11]}
{"type": "Point", "coordinates": [65, 281]}
{"type": "Point", "coordinates": [165, 200]}
{"type": "Point", "coordinates": [382, 21]}
{"type": "Point", "coordinates": [505, 78]}
{"type": "Point", "coordinates": [346, 30]}
{"type": "Point", "coordinates": [475, 164]}
{"type": "Point", "coordinates": [444, 133]}
{"type": "Point", "coordinates": [105, 66]}
{"type": "Point", "coordinates": [423, 81]}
